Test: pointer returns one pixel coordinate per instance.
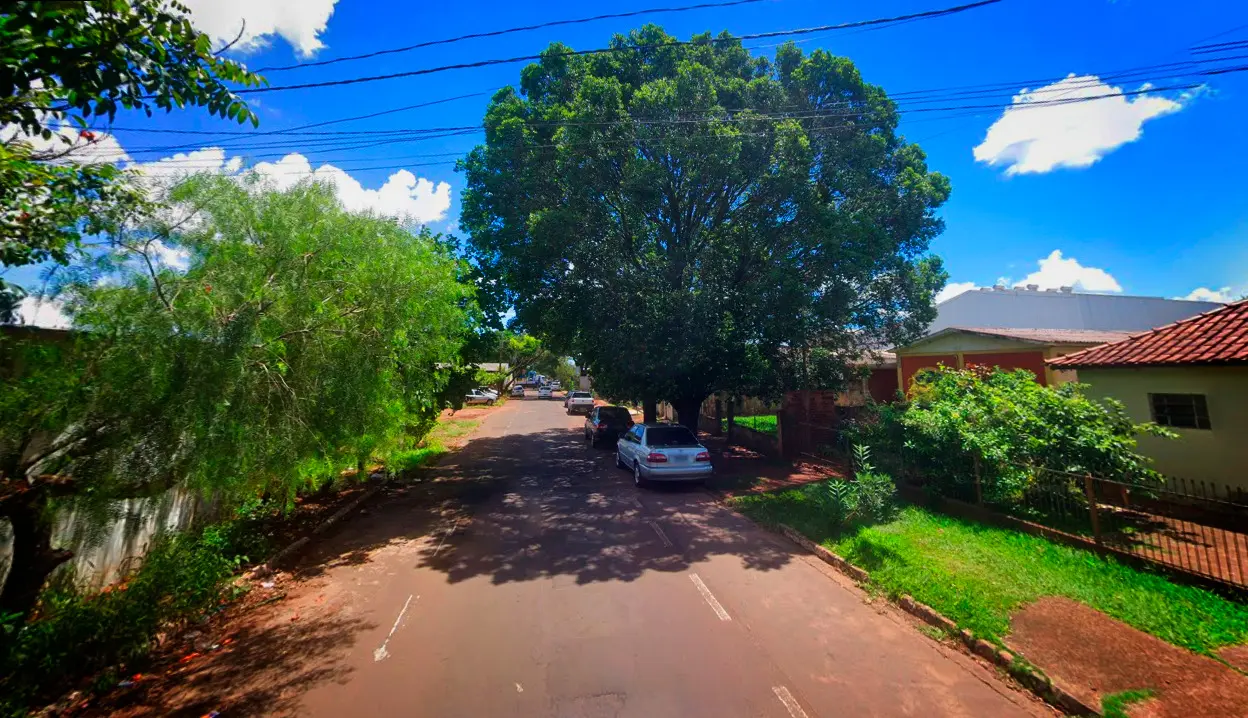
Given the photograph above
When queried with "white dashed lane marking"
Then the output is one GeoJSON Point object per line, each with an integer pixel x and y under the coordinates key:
{"type": "Point", "coordinates": [790, 703]}
{"type": "Point", "coordinates": [381, 653]}
{"type": "Point", "coordinates": [710, 597]}
{"type": "Point", "coordinates": [662, 536]}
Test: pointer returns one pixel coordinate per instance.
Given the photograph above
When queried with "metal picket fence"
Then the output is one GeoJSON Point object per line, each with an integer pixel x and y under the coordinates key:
{"type": "Point", "coordinates": [1191, 526]}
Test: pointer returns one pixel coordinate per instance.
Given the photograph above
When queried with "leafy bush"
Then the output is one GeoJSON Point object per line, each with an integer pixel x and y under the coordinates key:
{"type": "Point", "coordinates": [870, 498]}
{"type": "Point", "coordinates": [75, 633]}
{"type": "Point", "coordinates": [1007, 427]}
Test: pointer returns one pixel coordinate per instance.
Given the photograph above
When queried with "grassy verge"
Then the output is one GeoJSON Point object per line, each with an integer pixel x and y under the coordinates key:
{"type": "Point", "coordinates": [765, 423]}
{"type": "Point", "coordinates": [433, 446]}
{"type": "Point", "coordinates": [979, 575]}
{"type": "Point", "coordinates": [1115, 705]}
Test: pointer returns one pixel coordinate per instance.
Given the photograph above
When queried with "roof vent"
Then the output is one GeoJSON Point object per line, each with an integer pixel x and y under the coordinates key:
{"type": "Point", "coordinates": [1033, 287]}
{"type": "Point", "coordinates": [1067, 290]}
{"type": "Point", "coordinates": [1050, 289]}
{"type": "Point", "coordinates": [998, 287]}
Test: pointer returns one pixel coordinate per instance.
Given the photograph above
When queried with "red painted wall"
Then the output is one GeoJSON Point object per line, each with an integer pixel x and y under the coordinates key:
{"type": "Point", "coordinates": [1032, 361]}
{"type": "Point", "coordinates": [910, 365]}
{"type": "Point", "coordinates": [882, 384]}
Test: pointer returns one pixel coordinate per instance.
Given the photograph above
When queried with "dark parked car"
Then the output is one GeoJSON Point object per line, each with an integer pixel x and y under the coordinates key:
{"type": "Point", "coordinates": [605, 424]}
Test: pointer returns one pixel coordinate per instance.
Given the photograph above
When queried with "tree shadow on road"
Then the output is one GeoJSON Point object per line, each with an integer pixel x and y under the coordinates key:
{"type": "Point", "coordinates": [544, 505]}
{"type": "Point", "coordinates": [263, 669]}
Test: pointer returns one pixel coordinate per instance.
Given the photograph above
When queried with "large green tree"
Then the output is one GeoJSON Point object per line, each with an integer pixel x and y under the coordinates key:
{"type": "Point", "coordinates": [64, 64]}
{"type": "Point", "coordinates": [687, 217]}
{"type": "Point", "coordinates": [300, 339]}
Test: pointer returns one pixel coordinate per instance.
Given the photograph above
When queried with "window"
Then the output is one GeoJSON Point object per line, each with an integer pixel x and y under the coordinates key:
{"type": "Point", "coordinates": [1181, 411]}
{"type": "Point", "coordinates": [670, 436]}
{"type": "Point", "coordinates": [614, 415]}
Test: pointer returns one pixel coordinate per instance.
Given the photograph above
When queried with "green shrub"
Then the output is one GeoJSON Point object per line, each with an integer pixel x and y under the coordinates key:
{"type": "Point", "coordinates": [1008, 428]}
{"type": "Point", "coordinates": [870, 498]}
{"type": "Point", "coordinates": [74, 634]}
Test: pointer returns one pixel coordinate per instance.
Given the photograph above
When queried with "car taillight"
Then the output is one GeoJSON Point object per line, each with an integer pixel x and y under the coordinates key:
{"type": "Point", "coordinates": [656, 458]}
{"type": "Point", "coordinates": [704, 456]}
{"type": "Point", "coordinates": [603, 427]}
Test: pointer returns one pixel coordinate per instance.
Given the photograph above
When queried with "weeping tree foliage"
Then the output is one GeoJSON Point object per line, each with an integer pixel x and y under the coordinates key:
{"type": "Point", "coordinates": [62, 66]}
{"type": "Point", "coordinates": [300, 339]}
{"type": "Point", "coordinates": [685, 218]}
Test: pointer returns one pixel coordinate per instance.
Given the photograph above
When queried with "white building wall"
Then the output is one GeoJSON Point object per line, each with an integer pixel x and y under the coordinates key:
{"type": "Point", "coordinates": [1032, 309]}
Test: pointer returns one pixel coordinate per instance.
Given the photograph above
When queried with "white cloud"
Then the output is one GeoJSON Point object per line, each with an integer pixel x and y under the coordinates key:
{"type": "Point", "coordinates": [1057, 271]}
{"type": "Point", "coordinates": [300, 22]}
{"type": "Point", "coordinates": [403, 196]}
{"type": "Point", "coordinates": [1035, 138]}
{"type": "Point", "coordinates": [171, 257]}
{"type": "Point", "coordinates": [42, 312]}
{"type": "Point", "coordinates": [953, 289]}
{"type": "Point", "coordinates": [1204, 294]}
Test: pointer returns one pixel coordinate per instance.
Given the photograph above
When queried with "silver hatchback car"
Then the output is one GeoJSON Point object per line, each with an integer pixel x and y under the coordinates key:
{"type": "Point", "coordinates": [662, 452]}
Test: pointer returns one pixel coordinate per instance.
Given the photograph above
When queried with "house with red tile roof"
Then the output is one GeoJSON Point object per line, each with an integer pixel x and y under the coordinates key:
{"type": "Point", "coordinates": [1190, 376]}
{"type": "Point", "coordinates": [1004, 347]}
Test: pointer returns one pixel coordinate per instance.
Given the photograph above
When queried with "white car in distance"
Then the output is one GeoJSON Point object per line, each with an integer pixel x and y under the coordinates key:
{"type": "Point", "coordinates": [476, 396]}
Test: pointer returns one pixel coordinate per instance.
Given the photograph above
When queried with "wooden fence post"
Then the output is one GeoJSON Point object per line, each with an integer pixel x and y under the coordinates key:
{"type": "Point", "coordinates": [1093, 515]}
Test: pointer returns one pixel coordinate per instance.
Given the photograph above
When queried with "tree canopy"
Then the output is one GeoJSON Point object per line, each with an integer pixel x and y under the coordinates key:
{"type": "Point", "coordinates": [687, 217]}
{"type": "Point", "coordinates": [300, 339]}
{"type": "Point", "coordinates": [62, 64]}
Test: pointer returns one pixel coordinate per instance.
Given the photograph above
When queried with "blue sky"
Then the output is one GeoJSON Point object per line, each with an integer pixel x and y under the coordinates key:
{"type": "Point", "coordinates": [1162, 213]}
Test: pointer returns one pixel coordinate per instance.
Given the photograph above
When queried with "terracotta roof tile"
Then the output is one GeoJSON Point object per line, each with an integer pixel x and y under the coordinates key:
{"type": "Point", "coordinates": [1216, 337]}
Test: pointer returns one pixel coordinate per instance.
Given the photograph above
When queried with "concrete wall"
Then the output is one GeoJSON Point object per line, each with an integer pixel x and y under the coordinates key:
{"type": "Point", "coordinates": [1025, 309]}
{"type": "Point", "coordinates": [104, 550]}
{"type": "Point", "coordinates": [1219, 454]}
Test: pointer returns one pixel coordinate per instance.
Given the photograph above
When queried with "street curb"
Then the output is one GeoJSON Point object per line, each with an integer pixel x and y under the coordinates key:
{"type": "Point", "coordinates": [267, 567]}
{"type": "Point", "coordinates": [1030, 678]}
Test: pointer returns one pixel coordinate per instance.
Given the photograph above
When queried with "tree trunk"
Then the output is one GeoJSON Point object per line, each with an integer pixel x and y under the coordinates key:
{"type": "Point", "coordinates": [688, 411]}
{"type": "Point", "coordinates": [719, 418]}
{"type": "Point", "coordinates": [34, 559]}
{"type": "Point", "coordinates": [649, 410]}
{"type": "Point", "coordinates": [732, 416]}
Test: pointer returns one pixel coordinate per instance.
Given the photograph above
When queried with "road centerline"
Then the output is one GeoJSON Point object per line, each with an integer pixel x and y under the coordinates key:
{"type": "Point", "coordinates": [710, 597]}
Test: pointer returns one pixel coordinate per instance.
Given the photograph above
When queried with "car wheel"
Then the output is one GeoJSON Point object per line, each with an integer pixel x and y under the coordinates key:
{"type": "Point", "coordinates": [637, 478]}
{"type": "Point", "coordinates": [619, 463]}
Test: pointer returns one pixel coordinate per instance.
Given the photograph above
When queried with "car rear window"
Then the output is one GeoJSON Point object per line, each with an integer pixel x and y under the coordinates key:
{"type": "Point", "coordinates": [614, 415]}
{"type": "Point", "coordinates": [670, 436]}
{"type": "Point", "coordinates": [580, 395]}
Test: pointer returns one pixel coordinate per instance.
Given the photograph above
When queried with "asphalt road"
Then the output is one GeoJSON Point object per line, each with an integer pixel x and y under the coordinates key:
{"type": "Point", "coordinates": [550, 586]}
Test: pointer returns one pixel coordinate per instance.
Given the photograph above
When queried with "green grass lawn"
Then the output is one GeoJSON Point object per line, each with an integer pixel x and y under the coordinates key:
{"type": "Point", "coordinates": [766, 423]}
{"type": "Point", "coordinates": [433, 446]}
{"type": "Point", "coordinates": [979, 575]}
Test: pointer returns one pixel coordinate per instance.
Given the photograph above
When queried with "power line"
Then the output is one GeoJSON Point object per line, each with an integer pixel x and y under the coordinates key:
{"type": "Point", "coordinates": [630, 48]}
{"type": "Point", "coordinates": [497, 33]}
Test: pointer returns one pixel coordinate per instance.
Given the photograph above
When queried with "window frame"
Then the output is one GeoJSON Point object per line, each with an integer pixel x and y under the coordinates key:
{"type": "Point", "coordinates": [1196, 404]}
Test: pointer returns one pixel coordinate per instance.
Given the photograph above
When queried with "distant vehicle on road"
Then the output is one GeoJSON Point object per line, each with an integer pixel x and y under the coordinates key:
{"type": "Point", "coordinates": [476, 396]}
{"type": "Point", "coordinates": [544, 392]}
{"type": "Point", "coordinates": [605, 424]}
{"type": "Point", "coordinates": [662, 452]}
{"type": "Point", "coordinates": [518, 391]}
{"type": "Point", "coordinates": [579, 402]}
